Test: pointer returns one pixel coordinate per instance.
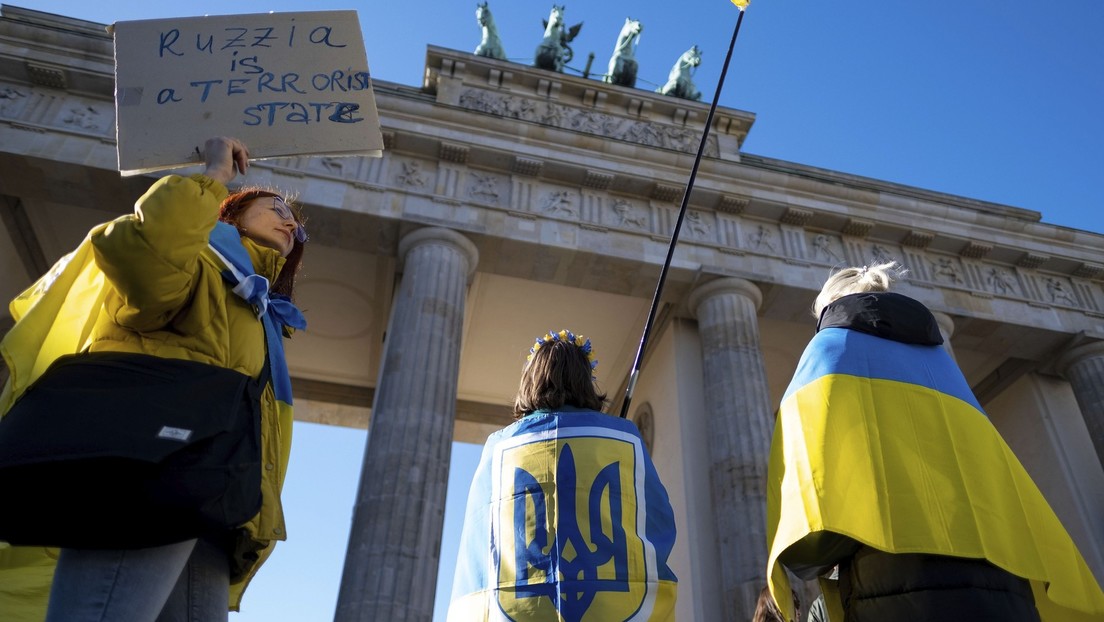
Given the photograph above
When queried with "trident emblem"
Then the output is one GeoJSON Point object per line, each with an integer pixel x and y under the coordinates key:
{"type": "Point", "coordinates": [568, 556]}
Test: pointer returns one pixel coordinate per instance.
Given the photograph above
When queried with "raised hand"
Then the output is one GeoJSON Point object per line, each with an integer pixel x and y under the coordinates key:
{"type": "Point", "coordinates": [225, 158]}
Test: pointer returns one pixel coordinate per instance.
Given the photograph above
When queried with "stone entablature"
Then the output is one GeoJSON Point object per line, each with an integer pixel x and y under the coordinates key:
{"type": "Point", "coordinates": [749, 216]}
{"type": "Point", "coordinates": [724, 228]}
{"type": "Point", "coordinates": [516, 92]}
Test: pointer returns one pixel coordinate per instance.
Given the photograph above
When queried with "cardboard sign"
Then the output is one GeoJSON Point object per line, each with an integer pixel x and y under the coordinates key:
{"type": "Point", "coordinates": [284, 83]}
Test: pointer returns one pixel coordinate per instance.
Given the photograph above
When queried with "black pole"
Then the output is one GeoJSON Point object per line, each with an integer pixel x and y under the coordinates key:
{"type": "Point", "coordinates": [678, 226]}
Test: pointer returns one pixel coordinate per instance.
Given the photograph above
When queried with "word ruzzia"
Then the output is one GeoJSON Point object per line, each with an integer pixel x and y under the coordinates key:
{"type": "Point", "coordinates": [240, 38]}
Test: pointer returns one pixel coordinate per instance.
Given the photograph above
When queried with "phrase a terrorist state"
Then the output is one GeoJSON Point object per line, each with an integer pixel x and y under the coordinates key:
{"type": "Point", "coordinates": [250, 77]}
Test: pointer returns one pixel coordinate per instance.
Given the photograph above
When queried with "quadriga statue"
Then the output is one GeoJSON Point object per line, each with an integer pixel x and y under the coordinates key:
{"type": "Point", "coordinates": [680, 83]}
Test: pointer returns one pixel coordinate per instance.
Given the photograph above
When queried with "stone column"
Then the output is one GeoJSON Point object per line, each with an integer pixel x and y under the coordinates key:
{"type": "Point", "coordinates": [946, 329]}
{"type": "Point", "coordinates": [1083, 367]}
{"type": "Point", "coordinates": [391, 563]}
{"type": "Point", "coordinates": [740, 426]}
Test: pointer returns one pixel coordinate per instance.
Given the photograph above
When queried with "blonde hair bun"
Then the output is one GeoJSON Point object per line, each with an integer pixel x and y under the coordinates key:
{"type": "Point", "coordinates": [876, 278]}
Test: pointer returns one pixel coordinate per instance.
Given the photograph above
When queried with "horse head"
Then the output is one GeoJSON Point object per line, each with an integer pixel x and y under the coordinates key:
{"type": "Point", "coordinates": [691, 57]}
{"type": "Point", "coordinates": [491, 45]}
{"type": "Point", "coordinates": [622, 65]}
{"type": "Point", "coordinates": [630, 34]}
{"type": "Point", "coordinates": [553, 52]}
{"type": "Point", "coordinates": [555, 21]}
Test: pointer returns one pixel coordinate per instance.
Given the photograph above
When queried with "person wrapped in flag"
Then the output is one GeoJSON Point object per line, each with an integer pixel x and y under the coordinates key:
{"type": "Point", "coordinates": [884, 463]}
{"type": "Point", "coordinates": [194, 273]}
{"type": "Point", "coordinates": [566, 518]}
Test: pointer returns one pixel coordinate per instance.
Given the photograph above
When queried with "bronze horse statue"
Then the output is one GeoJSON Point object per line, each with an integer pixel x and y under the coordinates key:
{"type": "Point", "coordinates": [553, 52]}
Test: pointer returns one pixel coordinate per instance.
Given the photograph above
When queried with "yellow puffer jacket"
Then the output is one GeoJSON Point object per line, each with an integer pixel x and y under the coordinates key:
{"type": "Point", "coordinates": [165, 296]}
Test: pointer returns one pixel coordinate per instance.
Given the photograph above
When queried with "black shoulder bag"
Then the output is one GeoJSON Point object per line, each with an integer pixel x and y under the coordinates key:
{"type": "Point", "coordinates": [116, 450]}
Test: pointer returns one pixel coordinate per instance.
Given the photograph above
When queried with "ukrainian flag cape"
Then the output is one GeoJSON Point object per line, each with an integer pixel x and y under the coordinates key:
{"type": "Point", "coordinates": [884, 442]}
{"type": "Point", "coordinates": [566, 520]}
{"type": "Point", "coordinates": [55, 317]}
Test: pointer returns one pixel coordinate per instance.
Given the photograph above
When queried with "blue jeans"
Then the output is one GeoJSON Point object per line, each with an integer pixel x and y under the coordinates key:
{"type": "Point", "coordinates": [184, 582]}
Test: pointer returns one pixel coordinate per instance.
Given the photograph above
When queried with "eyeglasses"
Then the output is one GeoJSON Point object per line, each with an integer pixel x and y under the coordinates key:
{"type": "Point", "coordinates": [283, 211]}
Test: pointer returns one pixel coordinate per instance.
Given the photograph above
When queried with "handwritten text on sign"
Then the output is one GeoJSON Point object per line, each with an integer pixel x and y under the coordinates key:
{"type": "Point", "coordinates": [285, 83]}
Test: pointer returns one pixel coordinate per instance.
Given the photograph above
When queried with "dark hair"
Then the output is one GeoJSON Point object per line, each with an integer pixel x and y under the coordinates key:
{"type": "Point", "coordinates": [558, 375]}
{"type": "Point", "coordinates": [766, 610]}
{"type": "Point", "coordinates": [230, 212]}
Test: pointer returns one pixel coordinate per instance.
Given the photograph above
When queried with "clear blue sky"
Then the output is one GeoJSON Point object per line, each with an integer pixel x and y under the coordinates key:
{"type": "Point", "coordinates": [998, 101]}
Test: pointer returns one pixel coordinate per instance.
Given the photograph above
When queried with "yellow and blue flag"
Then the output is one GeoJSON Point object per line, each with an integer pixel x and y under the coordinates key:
{"type": "Point", "coordinates": [54, 317]}
{"type": "Point", "coordinates": [884, 442]}
{"type": "Point", "coordinates": [566, 521]}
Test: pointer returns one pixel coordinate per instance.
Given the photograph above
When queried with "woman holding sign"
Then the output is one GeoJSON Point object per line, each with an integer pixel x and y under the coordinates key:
{"type": "Point", "coordinates": [182, 307]}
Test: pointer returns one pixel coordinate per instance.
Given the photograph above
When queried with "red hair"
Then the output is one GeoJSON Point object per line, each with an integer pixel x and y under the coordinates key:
{"type": "Point", "coordinates": [231, 211]}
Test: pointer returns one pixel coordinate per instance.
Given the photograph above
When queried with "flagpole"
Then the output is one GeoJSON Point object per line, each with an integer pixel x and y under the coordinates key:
{"type": "Point", "coordinates": [678, 226]}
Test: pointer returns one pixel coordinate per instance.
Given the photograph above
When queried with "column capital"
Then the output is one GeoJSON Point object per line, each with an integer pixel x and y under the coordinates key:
{"type": "Point", "coordinates": [440, 235]}
{"type": "Point", "coordinates": [726, 285]}
{"type": "Point", "coordinates": [1077, 354]}
{"type": "Point", "coordinates": [946, 329]}
{"type": "Point", "coordinates": [946, 323]}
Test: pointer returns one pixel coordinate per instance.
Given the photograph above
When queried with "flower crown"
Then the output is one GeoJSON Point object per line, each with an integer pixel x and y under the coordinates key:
{"type": "Point", "coordinates": [565, 336]}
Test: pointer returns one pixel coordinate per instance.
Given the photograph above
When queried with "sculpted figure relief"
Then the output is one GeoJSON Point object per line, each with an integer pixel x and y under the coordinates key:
{"type": "Point", "coordinates": [411, 174]}
{"type": "Point", "coordinates": [485, 188]}
{"type": "Point", "coordinates": [8, 96]}
{"type": "Point", "coordinates": [822, 245]}
{"type": "Point", "coordinates": [1000, 281]}
{"type": "Point", "coordinates": [945, 268]}
{"type": "Point", "coordinates": [697, 225]}
{"type": "Point", "coordinates": [333, 165]}
{"type": "Point", "coordinates": [880, 254]}
{"type": "Point", "coordinates": [1058, 292]}
{"type": "Point", "coordinates": [627, 214]}
{"type": "Point", "coordinates": [559, 202]}
{"type": "Point", "coordinates": [761, 239]}
{"type": "Point", "coordinates": [84, 117]}
{"type": "Point", "coordinates": [557, 115]}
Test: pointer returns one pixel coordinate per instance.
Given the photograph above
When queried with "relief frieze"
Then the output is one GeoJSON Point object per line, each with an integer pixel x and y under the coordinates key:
{"type": "Point", "coordinates": [762, 240]}
{"type": "Point", "coordinates": [1058, 292]}
{"type": "Point", "coordinates": [84, 118]}
{"type": "Point", "coordinates": [332, 165]}
{"type": "Point", "coordinates": [484, 188]}
{"type": "Point", "coordinates": [1000, 282]}
{"type": "Point", "coordinates": [558, 203]}
{"type": "Point", "coordinates": [824, 249]}
{"type": "Point", "coordinates": [944, 270]}
{"type": "Point", "coordinates": [11, 100]}
{"type": "Point", "coordinates": [881, 254]}
{"type": "Point", "coordinates": [697, 225]}
{"type": "Point", "coordinates": [411, 175]}
{"type": "Point", "coordinates": [588, 121]}
{"type": "Point", "coordinates": [627, 215]}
